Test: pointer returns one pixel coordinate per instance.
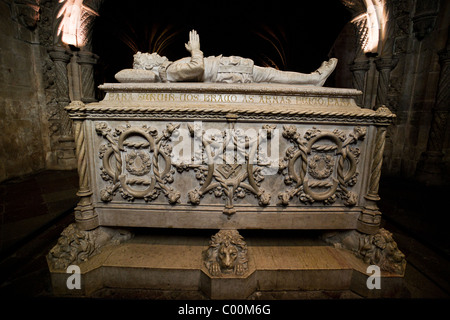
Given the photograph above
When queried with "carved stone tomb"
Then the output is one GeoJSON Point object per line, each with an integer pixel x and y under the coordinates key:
{"type": "Point", "coordinates": [227, 157]}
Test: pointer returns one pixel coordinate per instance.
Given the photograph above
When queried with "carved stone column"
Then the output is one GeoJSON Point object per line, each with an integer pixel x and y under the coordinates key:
{"type": "Point", "coordinates": [359, 69]}
{"type": "Point", "coordinates": [87, 60]}
{"type": "Point", "coordinates": [430, 168]}
{"type": "Point", "coordinates": [85, 215]}
{"type": "Point", "coordinates": [65, 149]}
{"type": "Point", "coordinates": [61, 58]}
{"type": "Point", "coordinates": [384, 67]}
{"type": "Point", "coordinates": [369, 221]}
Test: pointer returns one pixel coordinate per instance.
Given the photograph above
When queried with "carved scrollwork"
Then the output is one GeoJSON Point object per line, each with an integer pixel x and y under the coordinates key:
{"type": "Point", "coordinates": [142, 154]}
{"type": "Point", "coordinates": [327, 165]}
{"type": "Point", "coordinates": [229, 179]}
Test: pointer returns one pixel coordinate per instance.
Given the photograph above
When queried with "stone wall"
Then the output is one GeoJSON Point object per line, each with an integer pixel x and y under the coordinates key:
{"type": "Point", "coordinates": [414, 82]}
{"type": "Point", "coordinates": [23, 144]}
{"type": "Point", "coordinates": [417, 32]}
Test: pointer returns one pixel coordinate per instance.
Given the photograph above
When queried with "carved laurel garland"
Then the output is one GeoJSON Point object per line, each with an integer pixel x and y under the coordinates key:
{"type": "Point", "coordinates": [150, 151]}
{"type": "Point", "coordinates": [318, 160]}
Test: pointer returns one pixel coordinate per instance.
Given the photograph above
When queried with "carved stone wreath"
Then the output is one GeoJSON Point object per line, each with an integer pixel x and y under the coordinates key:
{"type": "Point", "coordinates": [321, 166]}
{"type": "Point", "coordinates": [138, 163]}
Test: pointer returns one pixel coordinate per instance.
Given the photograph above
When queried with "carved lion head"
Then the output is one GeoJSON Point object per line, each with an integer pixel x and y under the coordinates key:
{"type": "Point", "coordinates": [227, 251]}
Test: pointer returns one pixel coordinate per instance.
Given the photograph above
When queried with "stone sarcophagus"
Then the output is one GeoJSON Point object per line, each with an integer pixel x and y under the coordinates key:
{"type": "Point", "coordinates": [226, 156]}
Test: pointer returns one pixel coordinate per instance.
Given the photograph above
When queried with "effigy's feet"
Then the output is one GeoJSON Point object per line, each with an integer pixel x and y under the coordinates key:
{"type": "Point", "coordinates": [325, 70]}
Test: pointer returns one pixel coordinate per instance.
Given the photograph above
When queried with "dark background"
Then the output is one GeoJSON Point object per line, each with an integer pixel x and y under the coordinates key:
{"type": "Point", "coordinates": [286, 35]}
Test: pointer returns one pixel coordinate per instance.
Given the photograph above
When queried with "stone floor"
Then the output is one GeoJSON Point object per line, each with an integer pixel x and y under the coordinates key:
{"type": "Point", "coordinates": [35, 209]}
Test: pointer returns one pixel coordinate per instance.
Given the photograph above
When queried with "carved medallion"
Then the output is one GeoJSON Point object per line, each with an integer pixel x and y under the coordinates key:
{"type": "Point", "coordinates": [138, 163]}
{"type": "Point", "coordinates": [321, 166]}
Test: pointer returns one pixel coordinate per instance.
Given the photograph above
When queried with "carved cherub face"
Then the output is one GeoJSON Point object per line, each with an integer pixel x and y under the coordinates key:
{"type": "Point", "coordinates": [227, 256]}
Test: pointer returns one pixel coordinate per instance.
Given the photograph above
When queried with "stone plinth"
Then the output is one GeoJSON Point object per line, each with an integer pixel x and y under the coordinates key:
{"type": "Point", "coordinates": [150, 266]}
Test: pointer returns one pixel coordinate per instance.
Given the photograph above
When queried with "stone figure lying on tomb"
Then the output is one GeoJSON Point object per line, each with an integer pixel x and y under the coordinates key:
{"type": "Point", "coordinates": [154, 68]}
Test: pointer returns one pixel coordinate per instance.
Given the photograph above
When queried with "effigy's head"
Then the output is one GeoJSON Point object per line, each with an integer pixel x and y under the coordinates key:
{"type": "Point", "coordinates": [148, 61]}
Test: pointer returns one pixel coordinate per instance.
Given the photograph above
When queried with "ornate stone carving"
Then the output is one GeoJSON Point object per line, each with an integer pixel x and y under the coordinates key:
{"type": "Point", "coordinates": [154, 68]}
{"type": "Point", "coordinates": [227, 254]}
{"type": "Point", "coordinates": [150, 149]}
{"type": "Point", "coordinates": [84, 211]}
{"type": "Point", "coordinates": [75, 246]}
{"type": "Point", "coordinates": [370, 217]}
{"type": "Point", "coordinates": [225, 177]}
{"type": "Point", "coordinates": [378, 249]}
{"type": "Point", "coordinates": [318, 160]}
{"type": "Point", "coordinates": [27, 12]}
{"type": "Point", "coordinates": [61, 58]}
{"type": "Point", "coordinates": [322, 174]}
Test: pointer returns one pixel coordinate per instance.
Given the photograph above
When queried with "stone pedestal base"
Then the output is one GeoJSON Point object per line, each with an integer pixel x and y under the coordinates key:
{"type": "Point", "coordinates": [173, 267]}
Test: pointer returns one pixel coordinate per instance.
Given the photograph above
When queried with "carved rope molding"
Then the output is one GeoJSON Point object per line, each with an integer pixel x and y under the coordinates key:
{"type": "Point", "coordinates": [93, 111]}
{"type": "Point", "coordinates": [84, 211]}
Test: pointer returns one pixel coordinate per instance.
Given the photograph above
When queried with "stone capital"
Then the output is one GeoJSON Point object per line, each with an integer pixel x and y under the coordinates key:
{"type": "Point", "coordinates": [85, 57]}
{"type": "Point", "coordinates": [386, 63]}
{"type": "Point", "coordinates": [58, 53]}
{"type": "Point", "coordinates": [360, 65]}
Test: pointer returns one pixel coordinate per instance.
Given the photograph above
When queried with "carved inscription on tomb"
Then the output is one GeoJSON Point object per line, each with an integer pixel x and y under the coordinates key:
{"type": "Point", "coordinates": [227, 98]}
